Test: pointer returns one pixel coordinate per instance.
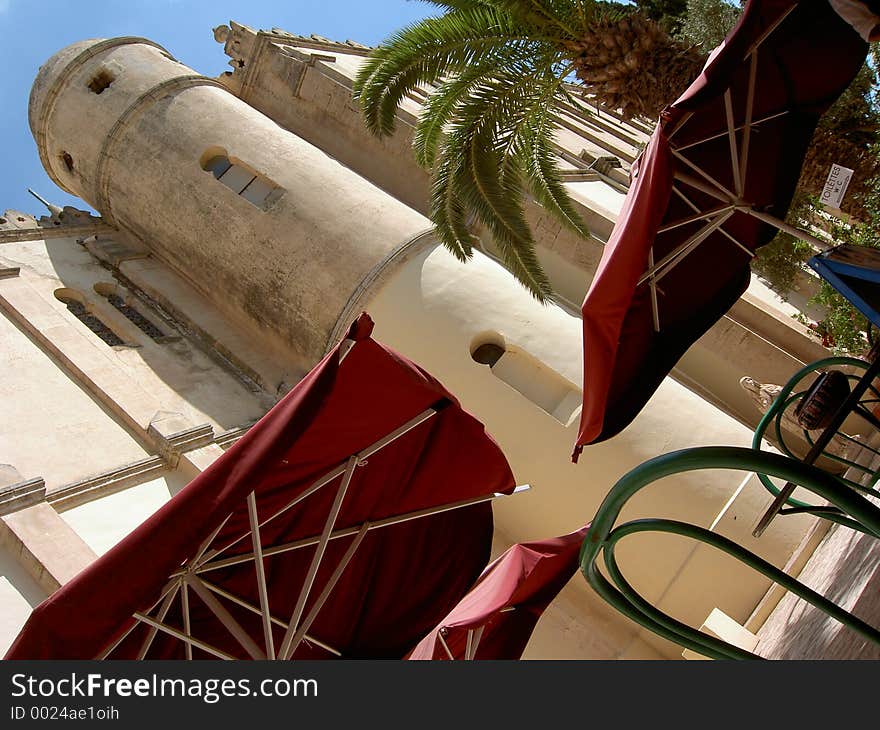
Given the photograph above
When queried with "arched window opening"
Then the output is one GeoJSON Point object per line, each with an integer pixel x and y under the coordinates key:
{"type": "Point", "coordinates": [488, 354]}
{"type": "Point", "coordinates": [530, 377]}
{"type": "Point", "coordinates": [79, 310]}
{"type": "Point", "coordinates": [218, 165]}
{"type": "Point", "coordinates": [239, 178]}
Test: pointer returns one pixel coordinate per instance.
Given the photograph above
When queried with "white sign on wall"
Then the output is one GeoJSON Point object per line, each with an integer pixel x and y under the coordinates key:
{"type": "Point", "coordinates": [835, 186]}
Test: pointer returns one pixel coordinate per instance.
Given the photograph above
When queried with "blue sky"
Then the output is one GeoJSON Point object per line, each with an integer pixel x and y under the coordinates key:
{"type": "Point", "coordinates": [33, 30]}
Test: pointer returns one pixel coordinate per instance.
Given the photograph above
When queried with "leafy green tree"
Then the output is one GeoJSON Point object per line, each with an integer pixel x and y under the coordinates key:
{"type": "Point", "coordinates": [844, 328]}
{"type": "Point", "coordinates": [707, 22]}
{"type": "Point", "coordinates": [494, 70]}
{"type": "Point", "coordinates": [668, 13]}
{"type": "Point", "coordinates": [846, 135]}
{"type": "Point", "coordinates": [781, 261]}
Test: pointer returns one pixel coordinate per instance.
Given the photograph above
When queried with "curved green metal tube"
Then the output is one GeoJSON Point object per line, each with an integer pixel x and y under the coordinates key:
{"type": "Point", "coordinates": [781, 402]}
{"type": "Point", "coordinates": [731, 548]}
{"type": "Point", "coordinates": [863, 515]}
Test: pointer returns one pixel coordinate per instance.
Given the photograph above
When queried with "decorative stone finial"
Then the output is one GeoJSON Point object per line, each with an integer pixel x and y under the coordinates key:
{"type": "Point", "coordinates": [54, 211]}
{"type": "Point", "coordinates": [221, 33]}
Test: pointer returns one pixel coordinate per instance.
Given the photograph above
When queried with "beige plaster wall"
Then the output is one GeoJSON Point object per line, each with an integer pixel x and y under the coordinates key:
{"type": "Point", "coordinates": [49, 426]}
{"type": "Point", "coordinates": [169, 375]}
{"type": "Point", "coordinates": [436, 310]}
{"type": "Point", "coordinates": [104, 522]}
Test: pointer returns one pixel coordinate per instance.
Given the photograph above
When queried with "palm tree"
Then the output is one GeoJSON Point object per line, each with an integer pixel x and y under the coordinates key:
{"type": "Point", "coordinates": [493, 70]}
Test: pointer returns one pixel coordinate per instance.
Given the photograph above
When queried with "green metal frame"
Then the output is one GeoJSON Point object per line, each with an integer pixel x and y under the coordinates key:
{"type": "Point", "coordinates": [773, 417]}
{"type": "Point", "coordinates": [852, 509]}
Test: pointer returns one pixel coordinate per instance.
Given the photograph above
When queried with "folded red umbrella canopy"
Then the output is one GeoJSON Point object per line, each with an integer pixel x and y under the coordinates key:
{"type": "Point", "coordinates": [346, 522]}
{"type": "Point", "coordinates": [496, 618]}
{"type": "Point", "coordinates": [712, 186]}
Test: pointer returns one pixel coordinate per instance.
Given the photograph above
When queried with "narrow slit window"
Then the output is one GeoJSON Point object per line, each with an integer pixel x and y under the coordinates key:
{"type": "Point", "coordinates": [79, 310]}
{"type": "Point", "coordinates": [237, 178]}
{"type": "Point", "coordinates": [256, 189]}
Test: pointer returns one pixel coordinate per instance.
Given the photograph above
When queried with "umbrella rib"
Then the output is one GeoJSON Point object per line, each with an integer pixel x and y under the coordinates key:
{"type": "Point", "coordinates": [689, 246]}
{"type": "Point", "coordinates": [348, 531]}
{"type": "Point", "coordinates": [730, 197]}
{"type": "Point", "coordinates": [671, 259]}
{"type": "Point", "coordinates": [678, 125]}
{"type": "Point", "coordinates": [747, 122]}
{"type": "Point", "coordinates": [333, 474]}
{"type": "Point", "coordinates": [772, 27]}
{"type": "Point", "coordinates": [752, 48]}
{"type": "Point", "coordinates": [731, 137]}
{"type": "Point", "coordinates": [445, 645]}
{"type": "Point", "coordinates": [719, 135]}
{"type": "Point", "coordinates": [254, 609]}
{"type": "Point", "coordinates": [231, 625]}
{"type": "Point", "coordinates": [655, 307]}
{"type": "Point", "coordinates": [182, 637]}
{"type": "Point", "coordinates": [314, 487]}
{"type": "Point", "coordinates": [187, 627]}
{"type": "Point", "coordinates": [163, 612]}
{"type": "Point", "coordinates": [474, 636]}
{"type": "Point", "coordinates": [783, 226]}
{"type": "Point", "coordinates": [345, 348]}
{"type": "Point", "coordinates": [397, 433]}
{"type": "Point", "coordinates": [693, 218]}
{"type": "Point", "coordinates": [108, 651]}
{"type": "Point", "coordinates": [284, 651]}
{"type": "Point", "coordinates": [693, 205]}
{"type": "Point", "coordinates": [328, 589]}
{"type": "Point", "coordinates": [206, 543]}
{"type": "Point", "coordinates": [260, 574]}
{"type": "Point", "coordinates": [169, 586]}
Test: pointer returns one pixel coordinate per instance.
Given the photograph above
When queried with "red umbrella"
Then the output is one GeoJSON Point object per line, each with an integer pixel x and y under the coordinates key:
{"type": "Point", "coordinates": [712, 186]}
{"type": "Point", "coordinates": [496, 618]}
{"type": "Point", "coordinates": [325, 531]}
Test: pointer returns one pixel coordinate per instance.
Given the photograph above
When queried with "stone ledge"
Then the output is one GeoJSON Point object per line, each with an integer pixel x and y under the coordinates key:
{"type": "Point", "coordinates": [86, 490]}
{"type": "Point", "coordinates": [22, 495]}
{"type": "Point", "coordinates": [175, 435]}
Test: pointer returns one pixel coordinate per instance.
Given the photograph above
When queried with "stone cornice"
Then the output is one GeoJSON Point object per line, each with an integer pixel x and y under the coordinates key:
{"type": "Point", "coordinates": [17, 235]}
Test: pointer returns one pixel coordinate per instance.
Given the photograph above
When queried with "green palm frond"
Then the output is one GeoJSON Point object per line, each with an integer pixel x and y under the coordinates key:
{"type": "Point", "coordinates": [448, 211]}
{"type": "Point", "coordinates": [441, 107]}
{"type": "Point", "coordinates": [498, 203]}
{"type": "Point", "coordinates": [491, 126]}
{"type": "Point", "coordinates": [492, 71]}
{"type": "Point", "coordinates": [542, 172]}
{"type": "Point", "coordinates": [427, 51]}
